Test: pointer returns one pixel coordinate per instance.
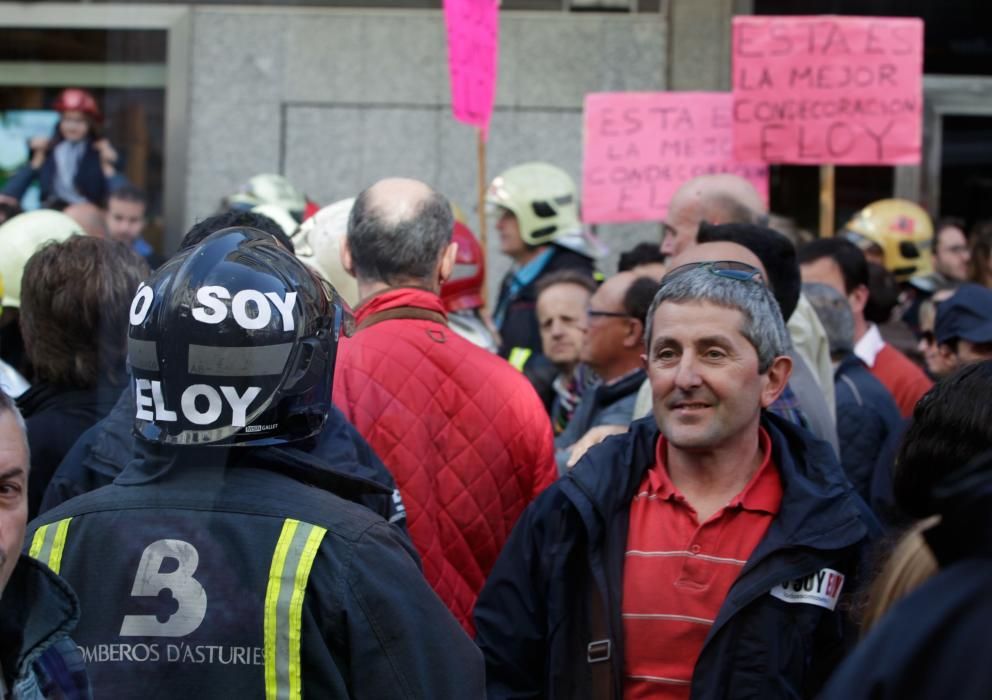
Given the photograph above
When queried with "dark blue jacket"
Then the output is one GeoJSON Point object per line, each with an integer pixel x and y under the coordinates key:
{"type": "Point", "coordinates": [38, 658]}
{"type": "Point", "coordinates": [56, 417]}
{"type": "Point", "coordinates": [601, 404]}
{"type": "Point", "coordinates": [207, 572]}
{"type": "Point", "coordinates": [519, 327]}
{"type": "Point", "coordinates": [90, 181]}
{"type": "Point", "coordinates": [340, 459]}
{"type": "Point", "coordinates": [934, 643]}
{"type": "Point", "coordinates": [867, 418]}
{"type": "Point", "coordinates": [533, 617]}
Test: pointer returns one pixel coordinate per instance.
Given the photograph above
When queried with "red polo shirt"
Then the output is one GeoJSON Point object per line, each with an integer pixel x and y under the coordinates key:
{"type": "Point", "coordinates": [677, 572]}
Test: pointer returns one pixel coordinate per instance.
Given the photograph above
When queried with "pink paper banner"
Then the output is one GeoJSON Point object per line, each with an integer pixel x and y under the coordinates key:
{"type": "Point", "coordinates": [473, 56]}
{"type": "Point", "coordinates": [640, 146]}
{"type": "Point", "coordinates": [820, 90]}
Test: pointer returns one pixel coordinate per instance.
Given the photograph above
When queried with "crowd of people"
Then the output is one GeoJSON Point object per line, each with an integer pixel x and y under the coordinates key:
{"type": "Point", "coordinates": [301, 457]}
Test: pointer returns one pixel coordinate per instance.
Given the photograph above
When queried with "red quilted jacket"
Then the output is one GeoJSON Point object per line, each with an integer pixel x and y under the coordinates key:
{"type": "Point", "coordinates": [463, 433]}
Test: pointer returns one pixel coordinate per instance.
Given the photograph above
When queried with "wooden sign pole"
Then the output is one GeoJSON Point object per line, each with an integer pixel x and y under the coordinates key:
{"type": "Point", "coordinates": [826, 201]}
{"type": "Point", "coordinates": [481, 156]}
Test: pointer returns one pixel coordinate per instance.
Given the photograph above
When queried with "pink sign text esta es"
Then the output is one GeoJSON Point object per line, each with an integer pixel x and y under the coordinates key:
{"type": "Point", "coordinates": [639, 147]}
{"type": "Point", "coordinates": [828, 90]}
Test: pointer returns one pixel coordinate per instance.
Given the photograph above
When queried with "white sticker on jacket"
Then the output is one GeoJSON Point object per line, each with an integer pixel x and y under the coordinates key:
{"type": "Point", "coordinates": [821, 588]}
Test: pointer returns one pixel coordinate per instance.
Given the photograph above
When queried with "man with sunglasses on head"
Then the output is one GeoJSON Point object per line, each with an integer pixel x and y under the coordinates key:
{"type": "Point", "coordinates": [710, 551]}
{"type": "Point", "coordinates": [802, 401]}
{"type": "Point", "coordinates": [723, 203]}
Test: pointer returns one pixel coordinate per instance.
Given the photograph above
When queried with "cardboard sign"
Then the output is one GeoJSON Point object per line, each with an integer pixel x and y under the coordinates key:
{"type": "Point", "coordinates": [819, 90]}
{"type": "Point", "coordinates": [473, 55]}
{"type": "Point", "coordinates": [641, 146]}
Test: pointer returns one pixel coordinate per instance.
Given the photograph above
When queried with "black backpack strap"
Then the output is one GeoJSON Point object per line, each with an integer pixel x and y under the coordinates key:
{"type": "Point", "coordinates": [599, 653]}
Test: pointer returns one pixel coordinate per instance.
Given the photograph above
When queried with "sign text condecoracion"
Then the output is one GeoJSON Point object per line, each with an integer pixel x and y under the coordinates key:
{"type": "Point", "coordinates": [828, 90]}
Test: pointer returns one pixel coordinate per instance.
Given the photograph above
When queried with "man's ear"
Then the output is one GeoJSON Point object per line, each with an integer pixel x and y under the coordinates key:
{"type": "Point", "coordinates": [346, 262]}
{"type": "Point", "coordinates": [858, 299]}
{"type": "Point", "coordinates": [635, 334]}
{"type": "Point", "coordinates": [447, 262]}
{"type": "Point", "coordinates": [776, 379]}
{"type": "Point", "coordinates": [948, 354]}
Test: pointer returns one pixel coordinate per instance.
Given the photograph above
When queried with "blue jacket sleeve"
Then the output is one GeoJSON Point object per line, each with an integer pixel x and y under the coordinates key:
{"type": "Point", "coordinates": [20, 181]}
{"type": "Point", "coordinates": [511, 613]}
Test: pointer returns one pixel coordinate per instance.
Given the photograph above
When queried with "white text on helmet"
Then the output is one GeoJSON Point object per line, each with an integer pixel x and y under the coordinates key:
{"type": "Point", "coordinates": [187, 403]}
{"type": "Point", "coordinates": [141, 304]}
{"type": "Point", "coordinates": [212, 310]}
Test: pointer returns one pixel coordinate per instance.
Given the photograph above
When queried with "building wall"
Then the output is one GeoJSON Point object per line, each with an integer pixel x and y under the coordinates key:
{"type": "Point", "coordinates": [336, 99]}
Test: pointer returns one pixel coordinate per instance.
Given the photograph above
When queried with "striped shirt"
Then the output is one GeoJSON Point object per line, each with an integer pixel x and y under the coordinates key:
{"type": "Point", "coordinates": [677, 573]}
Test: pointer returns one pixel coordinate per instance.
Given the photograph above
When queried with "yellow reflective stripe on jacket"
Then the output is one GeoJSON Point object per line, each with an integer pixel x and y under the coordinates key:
{"type": "Point", "coordinates": [518, 357]}
{"type": "Point", "coordinates": [288, 575]}
{"type": "Point", "coordinates": [48, 544]}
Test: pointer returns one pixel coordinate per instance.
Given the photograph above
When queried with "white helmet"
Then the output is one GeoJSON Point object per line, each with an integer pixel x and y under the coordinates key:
{"type": "Point", "coordinates": [21, 237]}
{"type": "Point", "coordinates": [542, 197]}
{"type": "Point", "coordinates": [269, 188]}
{"type": "Point", "coordinates": [318, 244]}
{"type": "Point", "coordinates": [282, 217]}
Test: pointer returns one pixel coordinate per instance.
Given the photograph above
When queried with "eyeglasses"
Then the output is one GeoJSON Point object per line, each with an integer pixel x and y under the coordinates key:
{"type": "Point", "coordinates": [954, 250]}
{"type": "Point", "coordinates": [593, 313]}
{"type": "Point", "coordinates": [730, 269]}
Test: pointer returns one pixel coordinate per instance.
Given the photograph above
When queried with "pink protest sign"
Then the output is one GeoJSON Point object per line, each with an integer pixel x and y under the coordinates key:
{"type": "Point", "coordinates": [816, 90]}
{"type": "Point", "coordinates": [473, 54]}
{"type": "Point", "coordinates": [640, 146]}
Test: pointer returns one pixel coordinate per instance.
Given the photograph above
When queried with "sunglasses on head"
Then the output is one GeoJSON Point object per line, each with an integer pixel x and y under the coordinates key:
{"type": "Point", "coordinates": [730, 269]}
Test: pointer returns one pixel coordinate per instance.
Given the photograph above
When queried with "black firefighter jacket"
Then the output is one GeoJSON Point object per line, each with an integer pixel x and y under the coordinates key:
{"type": "Point", "coordinates": [205, 574]}
{"type": "Point", "coordinates": [534, 616]}
{"type": "Point", "coordinates": [337, 459]}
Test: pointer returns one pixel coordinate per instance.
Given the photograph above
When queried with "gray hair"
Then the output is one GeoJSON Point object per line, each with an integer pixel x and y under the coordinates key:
{"type": "Point", "coordinates": [763, 325]}
{"type": "Point", "coordinates": [7, 404]}
{"type": "Point", "coordinates": [397, 252]}
{"type": "Point", "coordinates": [834, 312]}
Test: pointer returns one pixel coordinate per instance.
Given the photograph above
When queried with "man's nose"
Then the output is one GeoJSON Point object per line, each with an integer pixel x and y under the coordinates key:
{"type": "Point", "coordinates": [687, 373]}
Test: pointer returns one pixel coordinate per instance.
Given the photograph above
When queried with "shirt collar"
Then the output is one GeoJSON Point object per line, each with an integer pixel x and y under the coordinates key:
{"type": "Point", "coordinates": [762, 493]}
{"type": "Point", "coordinates": [869, 346]}
{"type": "Point", "coordinates": [395, 297]}
{"type": "Point", "coordinates": [528, 272]}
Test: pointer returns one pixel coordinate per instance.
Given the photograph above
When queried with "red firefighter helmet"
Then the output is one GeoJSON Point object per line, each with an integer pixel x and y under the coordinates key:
{"type": "Point", "coordinates": [77, 100]}
{"type": "Point", "coordinates": [464, 289]}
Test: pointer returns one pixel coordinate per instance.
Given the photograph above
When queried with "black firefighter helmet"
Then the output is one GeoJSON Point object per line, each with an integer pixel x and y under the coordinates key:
{"type": "Point", "coordinates": [233, 342]}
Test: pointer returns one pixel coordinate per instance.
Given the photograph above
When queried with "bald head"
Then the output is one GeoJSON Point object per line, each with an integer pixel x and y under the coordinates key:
{"type": "Point", "coordinates": [90, 217]}
{"type": "Point", "coordinates": [398, 233]}
{"type": "Point", "coordinates": [715, 199]}
{"type": "Point", "coordinates": [721, 250]}
{"type": "Point", "coordinates": [396, 200]}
